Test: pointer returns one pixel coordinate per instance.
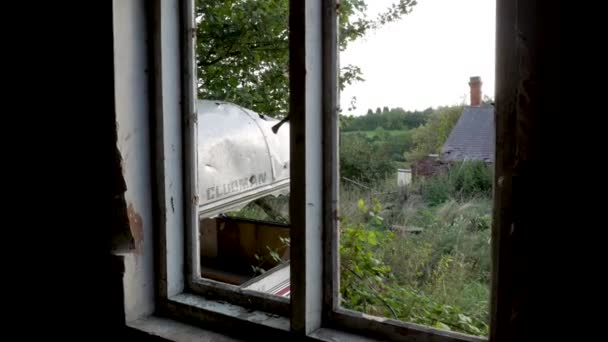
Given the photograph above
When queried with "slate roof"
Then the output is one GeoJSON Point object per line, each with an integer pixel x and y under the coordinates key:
{"type": "Point", "coordinates": [473, 137]}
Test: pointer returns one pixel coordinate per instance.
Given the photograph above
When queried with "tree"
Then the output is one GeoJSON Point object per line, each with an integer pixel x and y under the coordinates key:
{"type": "Point", "coordinates": [378, 111]}
{"type": "Point", "coordinates": [430, 137]}
{"type": "Point", "coordinates": [394, 119]}
{"type": "Point", "coordinates": [362, 161]}
{"type": "Point", "coordinates": [345, 121]}
{"type": "Point", "coordinates": [242, 49]}
{"type": "Point", "coordinates": [415, 119]}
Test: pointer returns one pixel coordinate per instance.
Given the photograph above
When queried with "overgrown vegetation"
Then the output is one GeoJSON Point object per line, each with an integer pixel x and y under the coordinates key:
{"type": "Point", "coordinates": [366, 160]}
{"type": "Point", "coordinates": [462, 181]}
{"type": "Point", "coordinates": [425, 256]}
{"type": "Point", "coordinates": [423, 259]}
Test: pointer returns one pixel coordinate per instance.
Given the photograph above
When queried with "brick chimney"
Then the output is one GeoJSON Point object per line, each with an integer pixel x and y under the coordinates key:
{"type": "Point", "coordinates": [475, 84]}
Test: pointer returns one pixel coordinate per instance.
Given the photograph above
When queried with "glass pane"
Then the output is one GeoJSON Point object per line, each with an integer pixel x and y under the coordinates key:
{"type": "Point", "coordinates": [416, 160]}
{"type": "Point", "coordinates": [243, 142]}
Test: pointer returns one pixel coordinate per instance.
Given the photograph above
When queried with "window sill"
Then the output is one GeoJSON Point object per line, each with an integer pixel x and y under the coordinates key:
{"type": "Point", "coordinates": [219, 312]}
{"type": "Point", "coordinates": [223, 322]}
{"type": "Point", "coordinates": [171, 330]}
{"type": "Point", "coordinates": [188, 317]}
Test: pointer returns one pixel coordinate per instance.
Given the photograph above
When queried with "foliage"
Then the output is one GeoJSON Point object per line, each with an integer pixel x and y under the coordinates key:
{"type": "Point", "coordinates": [242, 48]}
{"type": "Point", "coordinates": [393, 143]}
{"type": "Point", "coordinates": [436, 190]}
{"type": "Point", "coordinates": [463, 181]}
{"type": "Point", "coordinates": [430, 279]}
{"type": "Point", "coordinates": [242, 52]}
{"type": "Point", "coordinates": [362, 161]}
{"type": "Point", "coordinates": [471, 178]}
{"type": "Point", "coordinates": [429, 138]}
{"type": "Point", "coordinates": [359, 244]}
{"type": "Point", "coordinates": [272, 257]}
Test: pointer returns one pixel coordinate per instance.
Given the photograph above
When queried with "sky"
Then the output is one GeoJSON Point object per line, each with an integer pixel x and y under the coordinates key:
{"type": "Point", "coordinates": [425, 59]}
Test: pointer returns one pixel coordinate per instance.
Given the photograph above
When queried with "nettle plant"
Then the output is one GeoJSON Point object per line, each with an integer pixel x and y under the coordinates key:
{"type": "Point", "coordinates": [363, 274]}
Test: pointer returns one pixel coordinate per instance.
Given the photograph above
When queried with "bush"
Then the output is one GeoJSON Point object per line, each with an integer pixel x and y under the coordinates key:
{"type": "Point", "coordinates": [436, 190]}
{"type": "Point", "coordinates": [363, 274]}
{"type": "Point", "coordinates": [395, 143]}
{"type": "Point", "coordinates": [463, 181]}
{"type": "Point", "coordinates": [429, 138]}
{"type": "Point", "coordinates": [470, 179]}
{"type": "Point", "coordinates": [362, 161]}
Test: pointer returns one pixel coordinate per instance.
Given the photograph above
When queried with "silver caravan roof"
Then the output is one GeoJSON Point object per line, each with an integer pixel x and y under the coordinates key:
{"type": "Point", "coordinates": [239, 158]}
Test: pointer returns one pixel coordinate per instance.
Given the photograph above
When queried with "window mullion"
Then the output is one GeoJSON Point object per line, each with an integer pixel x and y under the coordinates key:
{"type": "Point", "coordinates": [306, 201]}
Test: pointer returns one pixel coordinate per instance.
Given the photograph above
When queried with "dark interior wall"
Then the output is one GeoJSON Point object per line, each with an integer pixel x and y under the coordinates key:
{"type": "Point", "coordinates": [528, 97]}
{"type": "Point", "coordinates": [100, 310]}
{"type": "Point", "coordinates": [68, 283]}
{"type": "Point", "coordinates": [73, 91]}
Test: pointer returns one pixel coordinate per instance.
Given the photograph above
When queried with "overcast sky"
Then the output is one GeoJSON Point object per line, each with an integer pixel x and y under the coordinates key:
{"type": "Point", "coordinates": [426, 59]}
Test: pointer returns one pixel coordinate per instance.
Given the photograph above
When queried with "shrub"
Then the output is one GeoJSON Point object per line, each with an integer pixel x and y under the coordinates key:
{"type": "Point", "coordinates": [463, 181]}
{"type": "Point", "coordinates": [360, 160]}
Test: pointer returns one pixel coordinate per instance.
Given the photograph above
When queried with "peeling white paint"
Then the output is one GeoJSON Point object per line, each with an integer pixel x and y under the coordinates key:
{"type": "Point", "coordinates": [132, 112]}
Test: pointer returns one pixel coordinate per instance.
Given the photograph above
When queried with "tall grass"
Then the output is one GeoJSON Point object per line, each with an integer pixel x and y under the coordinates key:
{"type": "Point", "coordinates": [450, 259]}
{"type": "Point", "coordinates": [439, 275]}
{"type": "Point", "coordinates": [462, 181]}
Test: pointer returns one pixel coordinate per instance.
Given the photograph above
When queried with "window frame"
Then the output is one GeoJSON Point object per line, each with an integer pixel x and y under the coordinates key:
{"type": "Point", "coordinates": [314, 303]}
{"type": "Point", "coordinates": [208, 288]}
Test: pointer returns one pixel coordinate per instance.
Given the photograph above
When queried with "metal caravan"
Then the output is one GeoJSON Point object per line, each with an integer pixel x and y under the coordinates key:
{"type": "Point", "coordinates": [239, 159]}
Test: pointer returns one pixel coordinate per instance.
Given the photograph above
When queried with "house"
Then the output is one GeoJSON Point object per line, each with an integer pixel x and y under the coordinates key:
{"type": "Point", "coordinates": [473, 137]}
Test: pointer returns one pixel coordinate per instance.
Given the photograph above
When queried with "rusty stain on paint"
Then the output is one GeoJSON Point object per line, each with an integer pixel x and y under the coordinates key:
{"type": "Point", "coordinates": [137, 228]}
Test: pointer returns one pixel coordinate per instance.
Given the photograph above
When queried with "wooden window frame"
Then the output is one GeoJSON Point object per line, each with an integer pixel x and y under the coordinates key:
{"type": "Point", "coordinates": [314, 99]}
